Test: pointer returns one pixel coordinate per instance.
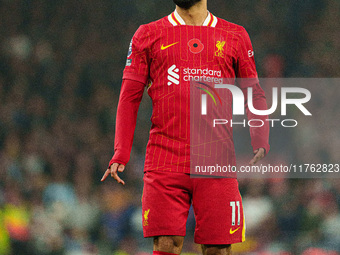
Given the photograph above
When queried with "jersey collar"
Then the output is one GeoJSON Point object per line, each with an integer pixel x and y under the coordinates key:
{"type": "Point", "coordinates": [176, 20]}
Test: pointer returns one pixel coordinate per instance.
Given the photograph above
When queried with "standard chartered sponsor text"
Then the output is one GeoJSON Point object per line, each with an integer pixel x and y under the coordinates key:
{"type": "Point", "coordinates": [203, 75]}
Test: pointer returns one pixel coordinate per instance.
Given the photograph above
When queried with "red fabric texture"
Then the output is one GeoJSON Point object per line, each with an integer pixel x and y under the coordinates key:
{"type": "Point", "coordinates": [160, 55]}
{"type": "Point", "coordinates": [162, 253]}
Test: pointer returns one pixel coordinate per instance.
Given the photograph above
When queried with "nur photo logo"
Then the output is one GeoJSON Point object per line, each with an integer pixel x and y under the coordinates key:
{"type": "Point", "coordinates": [294, 98]}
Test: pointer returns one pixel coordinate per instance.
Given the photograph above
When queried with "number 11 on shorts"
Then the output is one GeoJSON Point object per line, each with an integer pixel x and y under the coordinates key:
{"type": "Point", "coordinates": [233, 205]}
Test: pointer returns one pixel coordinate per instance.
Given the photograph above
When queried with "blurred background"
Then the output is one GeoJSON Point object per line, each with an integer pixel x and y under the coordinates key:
{"type": "Point", "coordinates": [61, 65]}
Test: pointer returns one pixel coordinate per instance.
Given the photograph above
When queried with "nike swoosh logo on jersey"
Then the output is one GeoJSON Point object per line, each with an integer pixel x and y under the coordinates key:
{"type": "Point", "coordinates": [167, 46]}
{"type": "Point", "coordinates": [231, 231]}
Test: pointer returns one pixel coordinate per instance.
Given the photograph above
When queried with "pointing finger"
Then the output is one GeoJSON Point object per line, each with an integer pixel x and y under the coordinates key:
{"type": "Point", "coordinates": [106, 174]}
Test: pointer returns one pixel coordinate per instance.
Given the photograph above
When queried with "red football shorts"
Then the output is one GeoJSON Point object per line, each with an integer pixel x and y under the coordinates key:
{"type": "Point", "coordinates": [217, 207]}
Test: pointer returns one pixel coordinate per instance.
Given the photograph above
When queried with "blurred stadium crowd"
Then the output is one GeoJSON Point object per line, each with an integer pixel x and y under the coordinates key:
{"type": "Point", "coordinates": [61, 65]}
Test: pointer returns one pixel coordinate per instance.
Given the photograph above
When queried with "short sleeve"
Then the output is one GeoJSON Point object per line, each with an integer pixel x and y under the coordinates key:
{"type": "Point", "coordinates": [137, 63]}
{"type": "Point", "coordinates": [245, 67]}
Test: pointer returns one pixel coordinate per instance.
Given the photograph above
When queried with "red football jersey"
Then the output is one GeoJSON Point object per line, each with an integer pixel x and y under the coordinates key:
{"type": "Point", "coordinates": [165, 55]}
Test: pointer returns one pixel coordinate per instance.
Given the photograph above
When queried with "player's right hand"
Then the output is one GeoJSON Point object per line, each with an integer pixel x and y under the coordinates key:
{"type": "Point", "coordinates": [113, 169]}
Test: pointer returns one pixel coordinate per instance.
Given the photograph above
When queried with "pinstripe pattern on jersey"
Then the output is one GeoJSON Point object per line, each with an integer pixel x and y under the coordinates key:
{"type": "Point", "coordinates": [168, 148]}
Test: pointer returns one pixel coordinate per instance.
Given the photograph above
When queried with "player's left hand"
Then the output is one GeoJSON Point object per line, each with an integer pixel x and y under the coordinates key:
{"type": "Point", "coordinates": [258, 155]}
